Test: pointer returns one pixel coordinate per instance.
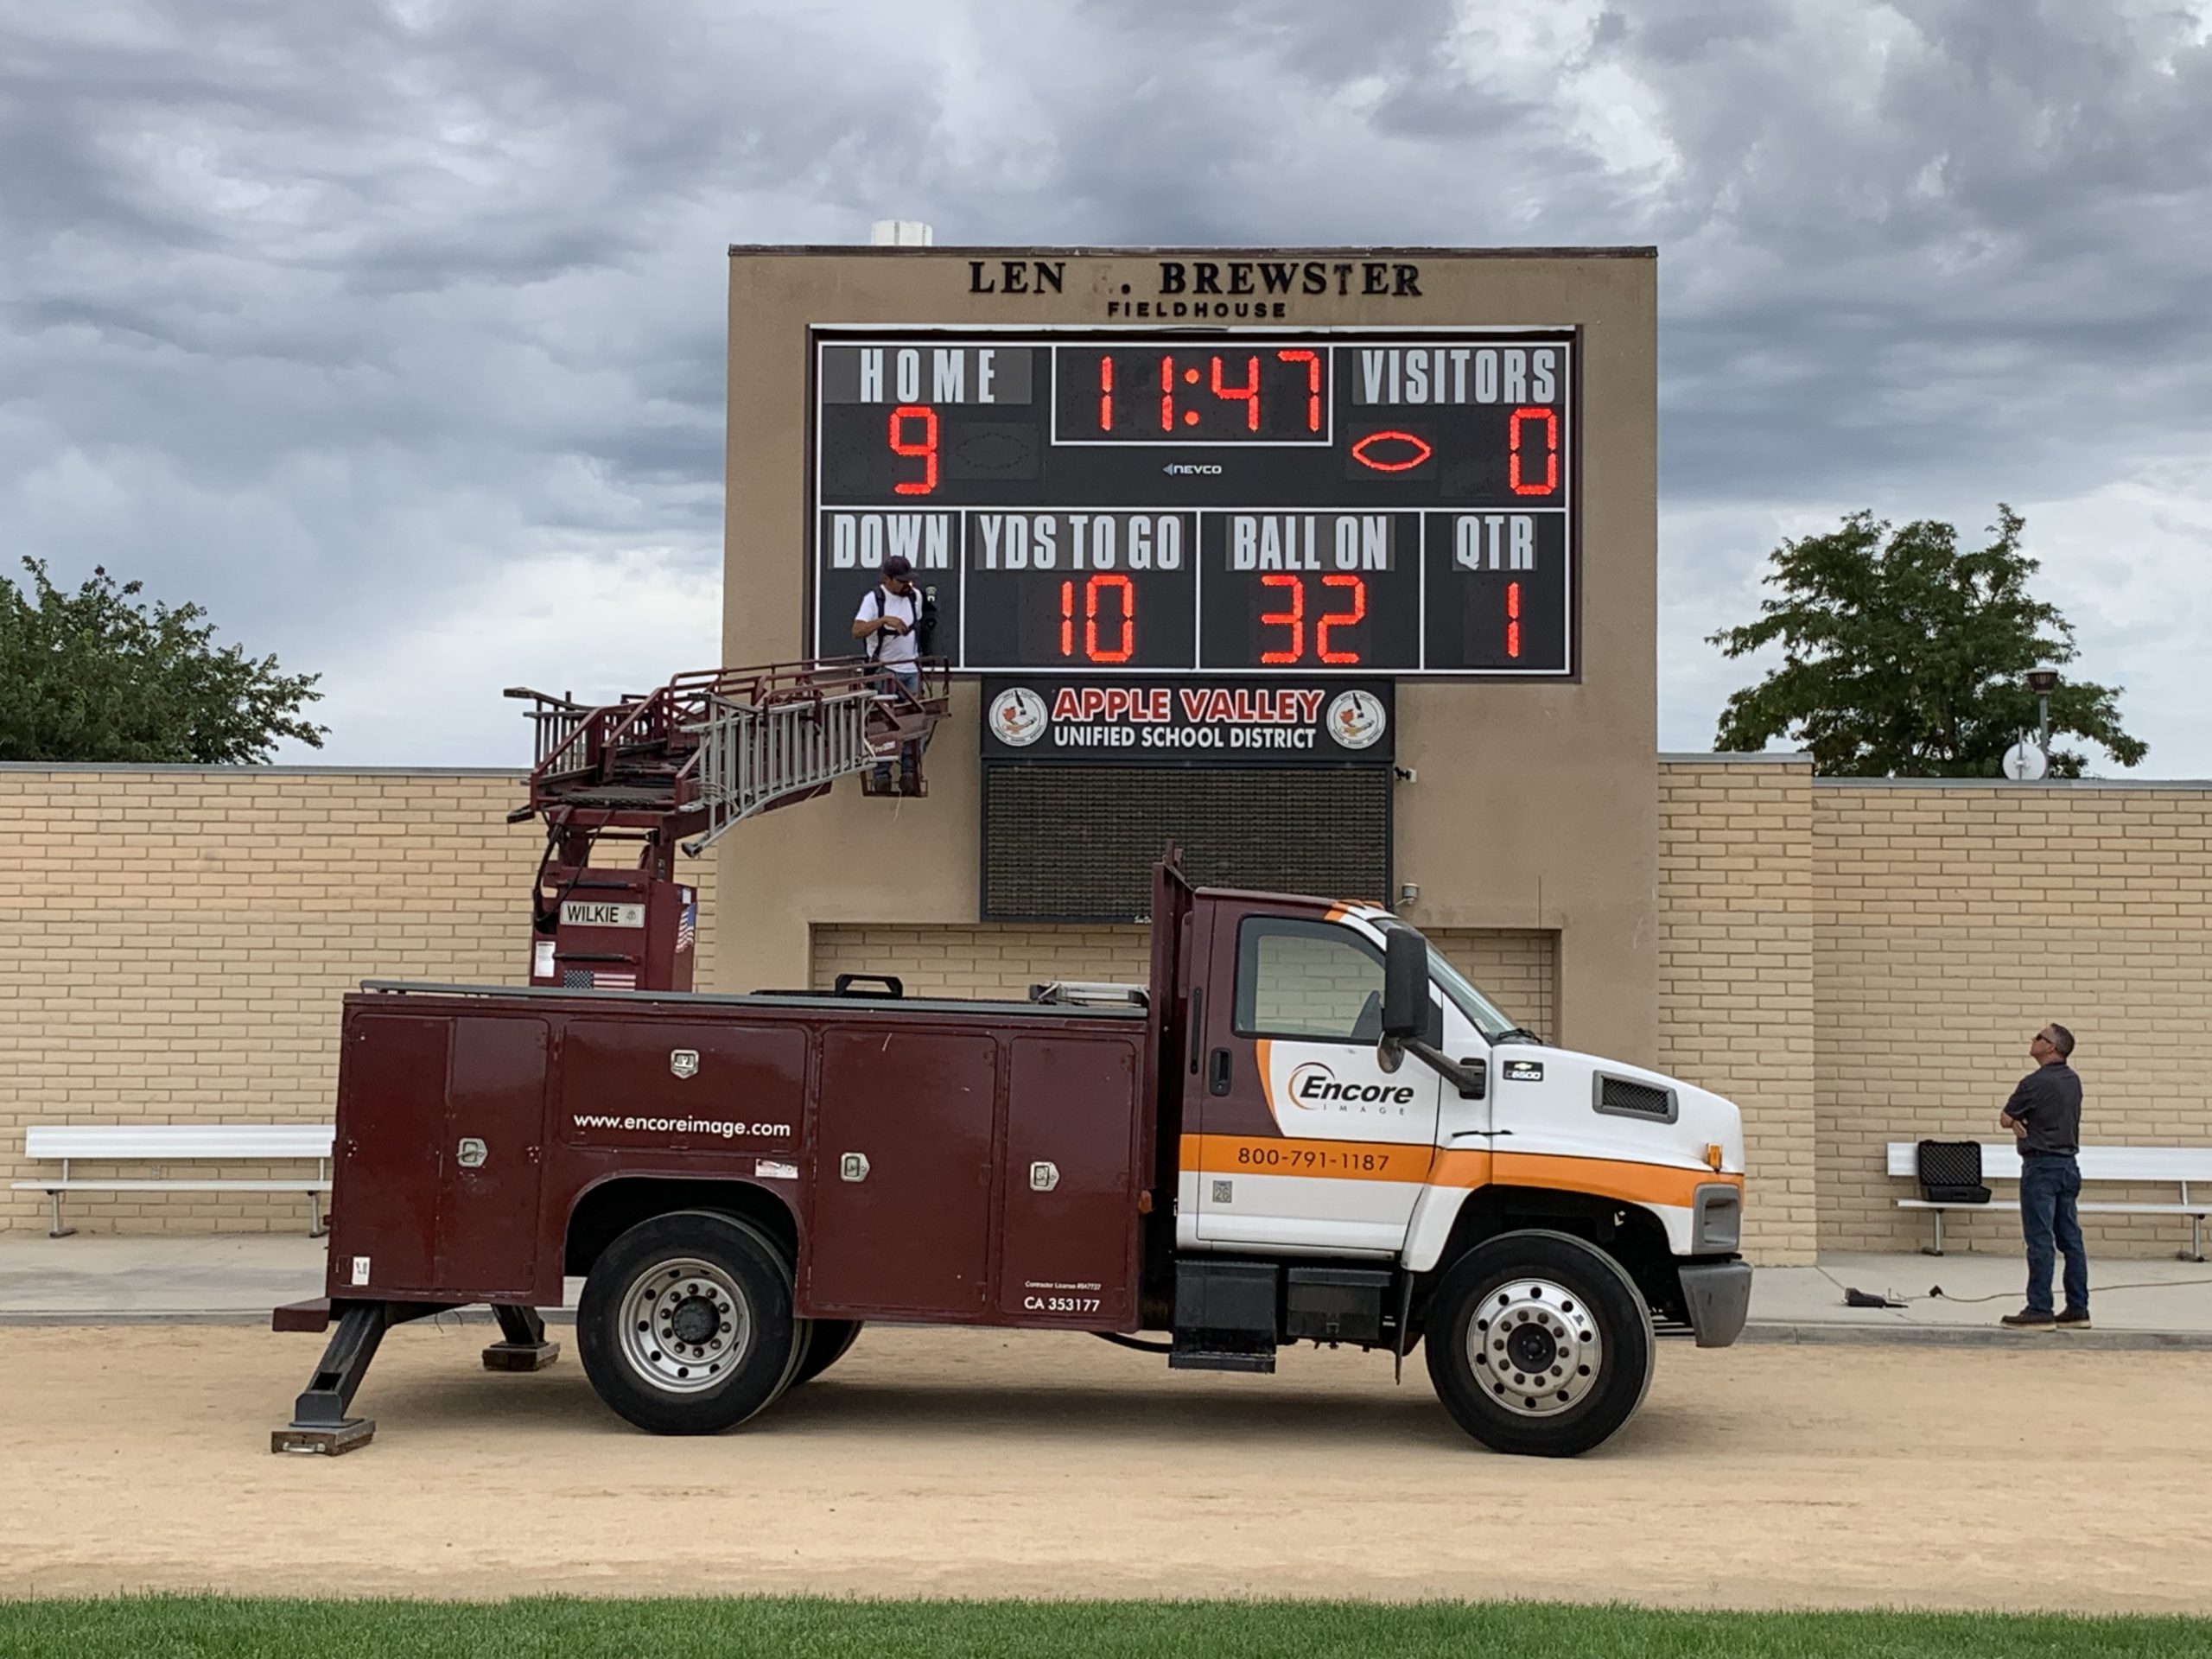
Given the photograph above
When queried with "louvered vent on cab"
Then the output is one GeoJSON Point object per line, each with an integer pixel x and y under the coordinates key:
{"type": "Point", "coordinates": [1636, 1099]}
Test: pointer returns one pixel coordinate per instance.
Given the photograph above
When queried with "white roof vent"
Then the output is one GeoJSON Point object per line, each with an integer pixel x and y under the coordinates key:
{"type": "Point", "coordinates": [900, 234]}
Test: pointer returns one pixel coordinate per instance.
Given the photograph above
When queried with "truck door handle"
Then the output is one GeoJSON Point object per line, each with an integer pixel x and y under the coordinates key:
{"type": "Point", "coordinates": [1218, 1073]}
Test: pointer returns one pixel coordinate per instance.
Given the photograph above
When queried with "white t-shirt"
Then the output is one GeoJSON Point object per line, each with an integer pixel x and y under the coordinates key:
{"type": "Point", "coordinates": [893, 648]}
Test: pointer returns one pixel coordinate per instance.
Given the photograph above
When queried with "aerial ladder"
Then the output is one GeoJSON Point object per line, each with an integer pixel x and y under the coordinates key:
{"type": "Point", "coordinates": [681, 767]}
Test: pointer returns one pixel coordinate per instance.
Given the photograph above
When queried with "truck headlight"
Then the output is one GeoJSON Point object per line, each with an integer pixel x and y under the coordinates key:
{"type": "Point", "coordinates": [1716, 1219]}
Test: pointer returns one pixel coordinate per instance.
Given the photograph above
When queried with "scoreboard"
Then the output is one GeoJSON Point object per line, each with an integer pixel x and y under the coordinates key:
{"type": "Point", "coordinates": [1089, 501]}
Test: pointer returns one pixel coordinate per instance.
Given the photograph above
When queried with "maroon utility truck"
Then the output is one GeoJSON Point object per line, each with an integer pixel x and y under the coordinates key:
{"type": "Point", "coordinates": [1306, 1127]}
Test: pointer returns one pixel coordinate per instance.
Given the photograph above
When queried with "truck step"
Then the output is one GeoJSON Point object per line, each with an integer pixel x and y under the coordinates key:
{"type": "Point", "coordinates": [1194, 1359]}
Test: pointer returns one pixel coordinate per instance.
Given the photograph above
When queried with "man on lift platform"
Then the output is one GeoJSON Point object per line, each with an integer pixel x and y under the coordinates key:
{"type": "Point", "coordinates": [892, 620]}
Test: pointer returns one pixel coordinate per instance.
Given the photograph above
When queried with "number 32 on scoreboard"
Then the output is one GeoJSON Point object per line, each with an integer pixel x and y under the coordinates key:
{"type": "Point", "coordinates": [1346, 595]}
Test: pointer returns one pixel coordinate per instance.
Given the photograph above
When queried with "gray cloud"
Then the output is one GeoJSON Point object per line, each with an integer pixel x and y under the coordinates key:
{"type": "Point", "coordinates": [394, 333]}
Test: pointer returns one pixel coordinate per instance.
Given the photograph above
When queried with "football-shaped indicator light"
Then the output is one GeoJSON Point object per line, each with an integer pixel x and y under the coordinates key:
{"type": "Point", "coordinates": [1391, 452]}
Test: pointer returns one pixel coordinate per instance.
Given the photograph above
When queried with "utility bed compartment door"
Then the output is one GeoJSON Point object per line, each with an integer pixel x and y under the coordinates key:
{"type": "Point", "coordinates": [1071, 1222]}
{"type": "Point", "coordinates": [439, 1153]}
{"type": "Point", "coordinates": [900, 1177]}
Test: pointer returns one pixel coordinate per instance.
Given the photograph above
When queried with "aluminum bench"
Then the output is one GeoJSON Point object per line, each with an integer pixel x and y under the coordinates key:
{"type": "Point", "coordinates": [177, 1143]}
{"type": "Point", "coordinates": [2178, 1166]}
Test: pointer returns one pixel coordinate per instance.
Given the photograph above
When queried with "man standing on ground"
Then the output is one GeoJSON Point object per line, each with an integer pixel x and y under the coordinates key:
{"type": "Point", "coordinates": [887, 619]}
{"type": "Point", "coordinates": [2045, 1117]}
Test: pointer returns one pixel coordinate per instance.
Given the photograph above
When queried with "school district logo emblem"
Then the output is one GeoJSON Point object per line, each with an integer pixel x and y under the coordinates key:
{"type": "Point", "coordinates": [1017, 716]}
{"type": "Point", "coordinates": [1356, 720]}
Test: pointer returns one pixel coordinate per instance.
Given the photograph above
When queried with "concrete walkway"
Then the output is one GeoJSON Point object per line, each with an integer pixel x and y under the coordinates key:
{"type": "Point", "coordinates": [235, 1278]}
{"type": "Point", "coordinates": [2134, 1303]}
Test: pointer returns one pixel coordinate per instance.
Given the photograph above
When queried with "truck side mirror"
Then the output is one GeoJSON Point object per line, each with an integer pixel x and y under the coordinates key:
{"type": "Point", "coordinates": [1405, 985]}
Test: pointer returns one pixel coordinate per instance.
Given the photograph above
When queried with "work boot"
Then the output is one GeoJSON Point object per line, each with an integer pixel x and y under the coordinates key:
{"type": "Point", "coordinates": [2073, 1319]}
{"type": "Point", "coordinates": [2028, 1319]}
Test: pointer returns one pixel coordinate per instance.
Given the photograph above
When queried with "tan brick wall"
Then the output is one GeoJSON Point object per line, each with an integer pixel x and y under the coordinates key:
{"type": "Point", "coordinates": [1736, 1004]}
{"type": "Point", "coordinates": [1852, 963]}
{"type": "Point", "coordinates": [173, 943]}
{"type": "Point", "coordinates": [1953, 922]}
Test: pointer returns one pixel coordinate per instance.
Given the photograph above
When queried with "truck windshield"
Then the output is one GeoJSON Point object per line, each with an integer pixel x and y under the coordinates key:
{"type": "Point", "coordinates": [1481, 1012]}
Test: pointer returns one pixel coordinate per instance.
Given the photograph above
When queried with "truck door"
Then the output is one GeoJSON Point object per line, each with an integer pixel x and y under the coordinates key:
{"type": "Point", "coordinates": [1302, 1138]}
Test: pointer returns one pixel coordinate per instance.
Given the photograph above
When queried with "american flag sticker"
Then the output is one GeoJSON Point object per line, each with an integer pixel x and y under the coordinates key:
{"type": "Point", "coordinates": [605, 980]}
{"type": "Point", "coordinates": [686, 921]}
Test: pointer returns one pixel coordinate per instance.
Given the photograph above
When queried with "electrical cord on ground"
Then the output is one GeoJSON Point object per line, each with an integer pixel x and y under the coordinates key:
{"type": "Point", "coordinates": [1936, 1293]}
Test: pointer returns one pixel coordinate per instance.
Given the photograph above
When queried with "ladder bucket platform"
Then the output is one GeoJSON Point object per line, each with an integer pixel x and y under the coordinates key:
{"type": "Point", "coordinates": [710, 749]}
{"type": "Point", "coordinates": [683, 766]}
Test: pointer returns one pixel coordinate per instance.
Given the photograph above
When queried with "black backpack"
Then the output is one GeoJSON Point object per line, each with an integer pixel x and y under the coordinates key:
{"type": "Point", "coordinates": [1949, 1172]}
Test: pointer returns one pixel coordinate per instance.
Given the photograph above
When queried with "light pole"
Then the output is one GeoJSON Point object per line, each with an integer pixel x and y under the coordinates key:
{"type": "Point", "coordinates": [2043, 680]}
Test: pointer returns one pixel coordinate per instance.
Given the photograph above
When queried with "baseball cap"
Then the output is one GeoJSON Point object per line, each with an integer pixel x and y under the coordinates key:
{"type": "Point", "coordinates": [898, 565]}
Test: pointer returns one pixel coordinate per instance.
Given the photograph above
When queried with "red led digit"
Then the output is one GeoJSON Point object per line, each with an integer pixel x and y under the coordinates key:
{"type": "Point", "coordinates": [1127, 590]}
{"type": "Point", "coordinates": [1167, 394]}
{"type": "Point", "coordinates": [1513, 619]}
{"type": "Point", "coordinates": [1249, 392]}
{"type": "Point", "coordinates": [926, 448]}
{"type": "Point", "coordinates": [1357, 596]}
{"type": "Point", "coordinates": [1521, 416]}
{"type": "Point", "coordinates": [1293, 619]}
{"type": "Point", "coordinates": [1312, 362]}
{"type": "Point", "coordinates": [1067, 619]}
{"type": "Point", "coordinates": [1106, 392]}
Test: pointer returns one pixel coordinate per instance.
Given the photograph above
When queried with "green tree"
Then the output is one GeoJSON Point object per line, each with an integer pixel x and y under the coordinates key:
{"type": "Point", "coordinates": [1902, 657]}
{"type": "Point", "coordinates": [98, 675]}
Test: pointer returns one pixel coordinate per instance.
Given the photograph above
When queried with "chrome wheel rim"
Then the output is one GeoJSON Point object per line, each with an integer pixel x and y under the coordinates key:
{"type": "Point", "coordinates": [685, 1324]}
{"type": "Point", "coordinates": [1535, 1348]}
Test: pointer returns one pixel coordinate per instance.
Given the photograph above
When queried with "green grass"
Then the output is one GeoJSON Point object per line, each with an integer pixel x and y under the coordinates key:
{"type": "Point", "coordinates": [174, 1627]}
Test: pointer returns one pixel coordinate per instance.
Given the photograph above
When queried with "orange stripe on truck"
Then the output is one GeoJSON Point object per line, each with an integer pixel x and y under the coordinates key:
{"type": "Point", "coordinates": [1276, 1154]}
{"type": "Point", "coordinates": [1385, 1161]}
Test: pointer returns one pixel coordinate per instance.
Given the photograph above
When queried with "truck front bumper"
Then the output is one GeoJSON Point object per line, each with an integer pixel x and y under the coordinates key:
{"type": "Point", "coordinates": [1718, 1297]}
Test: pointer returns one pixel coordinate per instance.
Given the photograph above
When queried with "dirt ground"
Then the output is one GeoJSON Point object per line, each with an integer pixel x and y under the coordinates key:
{"type": "Point", "coordinates": [959, 1463]}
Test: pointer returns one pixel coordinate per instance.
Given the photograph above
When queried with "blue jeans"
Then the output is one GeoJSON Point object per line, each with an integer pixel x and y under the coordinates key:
{"type": "Point", "coordinates": [2049, 1189]}
{"type": "Point", "coordinates": [910, 754]}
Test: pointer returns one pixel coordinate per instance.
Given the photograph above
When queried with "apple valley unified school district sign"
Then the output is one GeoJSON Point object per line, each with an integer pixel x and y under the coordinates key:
{"type": "Point", "coordinates": [1279, 503]}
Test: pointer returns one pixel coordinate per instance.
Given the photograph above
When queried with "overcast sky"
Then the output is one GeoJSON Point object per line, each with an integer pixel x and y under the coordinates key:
{"type": "Point", "coordinates": [394, 333]}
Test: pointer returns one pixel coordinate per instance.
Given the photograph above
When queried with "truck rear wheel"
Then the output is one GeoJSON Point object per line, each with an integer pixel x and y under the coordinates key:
{"type": "Point", "coordinates": [825, 1345]}
{"type": "Point", "coordinates": [1539, 1344]}
{"type": "Point", "coordinates": [685, 1324]}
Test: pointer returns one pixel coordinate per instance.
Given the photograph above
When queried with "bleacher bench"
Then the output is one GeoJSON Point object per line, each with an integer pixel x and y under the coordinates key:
{"type": "Point", "coordinates": [178, 1143]}
{"type": "Point", "coordinates": [2178, 1166]}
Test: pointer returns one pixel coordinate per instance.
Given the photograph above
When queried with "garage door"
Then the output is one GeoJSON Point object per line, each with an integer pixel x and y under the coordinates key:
{"type": "Point", "coordinates": [1514, 967]}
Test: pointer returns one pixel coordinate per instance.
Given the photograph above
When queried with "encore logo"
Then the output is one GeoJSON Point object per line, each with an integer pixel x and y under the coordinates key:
{"type": "Point", "coordinates": [1312, 1086]}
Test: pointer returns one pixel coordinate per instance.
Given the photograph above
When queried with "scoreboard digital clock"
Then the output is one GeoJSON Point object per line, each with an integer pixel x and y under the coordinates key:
{"type": "Point", "coordinates": [1107, 502]}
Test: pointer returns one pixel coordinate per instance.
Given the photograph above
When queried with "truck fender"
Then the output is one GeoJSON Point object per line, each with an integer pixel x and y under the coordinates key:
{"type": "Point", "coordinates": [1430, 1229]}
{"type": "Point", "coordinates": [1438, 1210]}
{"type": "Point", "coordinates": [612, 1203]}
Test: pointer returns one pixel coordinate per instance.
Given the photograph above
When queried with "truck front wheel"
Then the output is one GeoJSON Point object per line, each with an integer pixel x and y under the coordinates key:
{"type": "Point", "coordinates": [1539, 1344]}
{"type": "Point", "coordinates": [685, 1324]}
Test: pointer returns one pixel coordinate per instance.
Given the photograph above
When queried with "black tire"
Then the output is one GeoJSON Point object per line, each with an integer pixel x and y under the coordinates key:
{"type": "Point", "coordinates": [714, 1265]}
{"type": "Point", "coordinates": [1568, 1364]}
{"type": "Point", "coordinates": [825, 1345]}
